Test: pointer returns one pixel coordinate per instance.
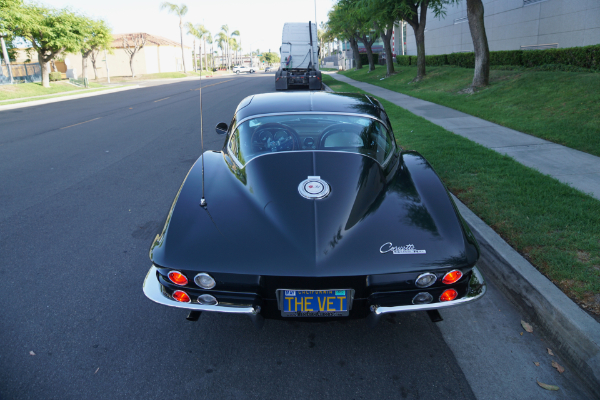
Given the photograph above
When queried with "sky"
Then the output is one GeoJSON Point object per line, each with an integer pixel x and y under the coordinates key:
{"type": "Point", "coordinates": [260, 22]}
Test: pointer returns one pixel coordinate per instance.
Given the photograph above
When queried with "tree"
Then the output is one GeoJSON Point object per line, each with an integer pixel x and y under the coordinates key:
{"type": "Point", "coordinates": [383, 14]}
{"type": "Point", "coordinates": [234, 46]}
{"type": "Point", "coordinates": [192, 30]}
{"type": "Point", "coordinates": [200, 32]}
{"type": "Point", "coordinates": [365, 29]}
{"type": "Point", "coordinates": [236, 33]}
{"type": "Point", "coordinates": [481, 75]}
{"type": "Point", "coordinates": [414, 12]}
{"type": "Point", "coordinates": [132, 44]}
{"type": "Point", "coordinates": [180, 11]}
{"type": "Point", "coordinates": [222, 40]}
{"type": "Point", "coordinates": [343, 25]}
{"type": "Point", "coordinates": [209, 39]}
{"type": "Point", "coordinates": [99, 38]}
{"type": "Point", "coordinates": [51, 33]}
{"type": "Point", "coordinates": [270, 58]}
{"type": "Point", "coordinates": [9, 10]}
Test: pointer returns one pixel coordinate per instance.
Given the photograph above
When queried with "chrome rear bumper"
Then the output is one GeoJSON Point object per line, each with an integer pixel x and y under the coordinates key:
{"type": "Point", "coordinates": [153, 290]}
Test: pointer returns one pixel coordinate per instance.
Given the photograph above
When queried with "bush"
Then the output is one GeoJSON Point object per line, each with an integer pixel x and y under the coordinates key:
{"type": "Point", "coordinates": [567, 59]}
{"type": "Point", "coordinates": [509, 57]}
{"type": "Point", "coordinates": [403, 60]}
{"type": "Point", "coordinates": [55, 76]}
{"type": "Point", "coordinates": [583, 57]}
{"type": "Point", "coordinates": [564, 68]}
{"type": "Point", "coordinates": [436, 60]}
{"type": "Point", "coordinates": [365, 60]}
{"type": "Point", "coordinates": [465, 60]}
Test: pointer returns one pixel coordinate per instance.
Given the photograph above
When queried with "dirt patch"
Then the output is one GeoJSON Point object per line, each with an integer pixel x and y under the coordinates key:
{"type": "Point", "coordinates": [583, 256]}
{"type": "Point", "coordinates": [8, 88]}
{"type": "Point", "coordinates": [589, 301]}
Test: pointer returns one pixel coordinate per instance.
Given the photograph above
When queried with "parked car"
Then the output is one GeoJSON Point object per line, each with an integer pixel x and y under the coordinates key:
{"type": "Point", "coordinates": [312, 211]}
{"type": "Point", "coordinates": [242, 68]}
{"type": "Point", "coordinates": [269, 69]}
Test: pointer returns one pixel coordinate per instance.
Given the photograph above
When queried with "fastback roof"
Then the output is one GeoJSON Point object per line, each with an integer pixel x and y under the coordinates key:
{"type": "Point", "coordinates": [269, 103]}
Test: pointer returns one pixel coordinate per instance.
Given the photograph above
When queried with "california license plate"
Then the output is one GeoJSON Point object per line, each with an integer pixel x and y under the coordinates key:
{"type": "Point", "coordinates": [314, 303]}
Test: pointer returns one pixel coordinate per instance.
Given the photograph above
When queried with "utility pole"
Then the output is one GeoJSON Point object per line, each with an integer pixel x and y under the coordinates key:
{"type": "Point", "coordinates": [6, 60]}
{"type": "Point", "coordinates": [107, 70]}
{"type": "Point", "coordinates": [402, 35]}
{"type": "Point", "coordinates": [194, 55]}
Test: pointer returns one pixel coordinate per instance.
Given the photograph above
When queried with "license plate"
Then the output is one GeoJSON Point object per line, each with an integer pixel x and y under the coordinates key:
{"type": "Point", "coordinates": [314, 303]}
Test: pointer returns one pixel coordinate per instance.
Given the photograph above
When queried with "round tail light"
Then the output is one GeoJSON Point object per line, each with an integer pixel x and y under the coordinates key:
{"type": "Point", "coordinates": [207, 300]}
{"type": "Point", "coordinates": [452, 276]}
{"type": "Point", "coordinates": [422, 298]}
{"type": "Point", "coordinates": [181, 296]}
{"type": "Point", "coordinates": [178, 278]}
{"type": "Point", "coordinates": [448, 295]}
{"type": "Point", "coordinates": [205, 281]}
{"type": "Point", "coordinates": [425, 280]}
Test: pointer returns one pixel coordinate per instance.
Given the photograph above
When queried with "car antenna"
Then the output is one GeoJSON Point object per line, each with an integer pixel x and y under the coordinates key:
{"type": "Point", "coordinates": [203, 200]}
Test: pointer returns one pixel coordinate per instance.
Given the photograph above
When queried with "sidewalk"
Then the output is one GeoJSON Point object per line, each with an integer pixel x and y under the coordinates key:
{"type": "Point", "coordinates": [573, 167]}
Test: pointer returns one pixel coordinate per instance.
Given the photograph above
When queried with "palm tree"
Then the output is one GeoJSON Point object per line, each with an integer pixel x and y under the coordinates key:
{"type": "Point", "coordinates": [221, 40]}
{"type": "Point", "coordinates": [234, 46]}
{"type": "Point", "coordinates": [224, 36]}
{"type": "Point", "coordinates": [227, 39]}
{"type": "Point", "coordinates": [180, 11]}
{"type": "Point", "coordinates": [208, 39]}
{"type": "Point", "coordinates": [191, 30]}
{"type": "Point", "coordinates": [236, 33]}
{"type": "Point", "coordinates": [200, 32]}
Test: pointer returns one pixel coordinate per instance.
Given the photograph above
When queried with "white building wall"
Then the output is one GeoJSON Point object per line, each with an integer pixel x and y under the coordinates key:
{"type": "Point", "coordinates": [152, 66]}
{"type": "Point", "coordinates": [511, 24]}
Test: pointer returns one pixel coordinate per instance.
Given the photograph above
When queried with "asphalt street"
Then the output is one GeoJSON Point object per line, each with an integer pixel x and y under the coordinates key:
{"type": "Point", "coordinates": [84, 187]}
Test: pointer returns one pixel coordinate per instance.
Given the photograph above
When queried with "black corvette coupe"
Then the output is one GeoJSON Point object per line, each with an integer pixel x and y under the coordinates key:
{"type": "Point", "coordinates": [312, 210]}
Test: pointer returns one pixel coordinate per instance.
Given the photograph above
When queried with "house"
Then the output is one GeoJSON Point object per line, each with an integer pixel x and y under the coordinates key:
{"type": "Point", "coordinates": [158, 55]}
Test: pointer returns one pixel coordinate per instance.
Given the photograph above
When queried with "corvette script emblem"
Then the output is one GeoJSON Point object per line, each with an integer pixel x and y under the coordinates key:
{"type": "Point", "coordinates": [314, 188]}
{"type": "Point", "coordinates": [408, 249]}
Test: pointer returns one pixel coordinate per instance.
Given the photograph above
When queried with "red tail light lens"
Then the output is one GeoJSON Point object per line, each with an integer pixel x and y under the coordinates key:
{"type": "Point", "coordinates": [181, 296]}
{"type": "Point", "coordinates": [178, 278]}
{"type": "Point", "coordinates": [452, 276]}
{"type": "Point", "coordinates": [448, 295]}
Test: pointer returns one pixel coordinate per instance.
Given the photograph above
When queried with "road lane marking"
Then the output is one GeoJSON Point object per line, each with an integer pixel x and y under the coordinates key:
{"type": "Point", "coordinates": [218, 83]}
{"type": "Point", "coordinates": [85, 122]}
{"type": "Point", "coordinates": [162, 99]}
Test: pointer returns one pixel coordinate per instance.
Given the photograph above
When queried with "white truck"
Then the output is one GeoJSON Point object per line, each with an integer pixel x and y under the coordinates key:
{"type": "Point", "coordinates": [299, 57]}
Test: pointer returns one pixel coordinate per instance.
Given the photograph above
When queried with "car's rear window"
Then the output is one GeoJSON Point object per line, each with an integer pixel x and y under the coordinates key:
{"type": "Point", "coordinates": [310, 132]}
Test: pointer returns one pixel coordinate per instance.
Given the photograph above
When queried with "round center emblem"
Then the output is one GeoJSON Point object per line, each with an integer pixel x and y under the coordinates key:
{"type": "Point", "coordinates": [314, 188]}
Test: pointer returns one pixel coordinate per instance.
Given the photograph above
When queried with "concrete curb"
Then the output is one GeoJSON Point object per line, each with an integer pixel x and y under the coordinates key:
{"type": "Point", "coordinates": [327, 88]}
{"type": "Point", "coordinates": [574, 335]}
{"type": "Point", "coordinates": [64, 98]}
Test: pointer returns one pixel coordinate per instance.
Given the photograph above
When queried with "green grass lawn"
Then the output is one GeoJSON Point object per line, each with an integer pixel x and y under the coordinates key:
{"type": "Point", "coordinates": [21, 90]}
{"type": "Point", "coordinates": [562, 107]}
{"type": "Point", "coordinates": [555, 227]}
{"type": "Point", "coordinates": [64, 94]}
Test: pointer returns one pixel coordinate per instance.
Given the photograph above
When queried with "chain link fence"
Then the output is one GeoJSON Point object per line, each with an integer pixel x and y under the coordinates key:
{"type": "Point", "coordinates": [22, 73]}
